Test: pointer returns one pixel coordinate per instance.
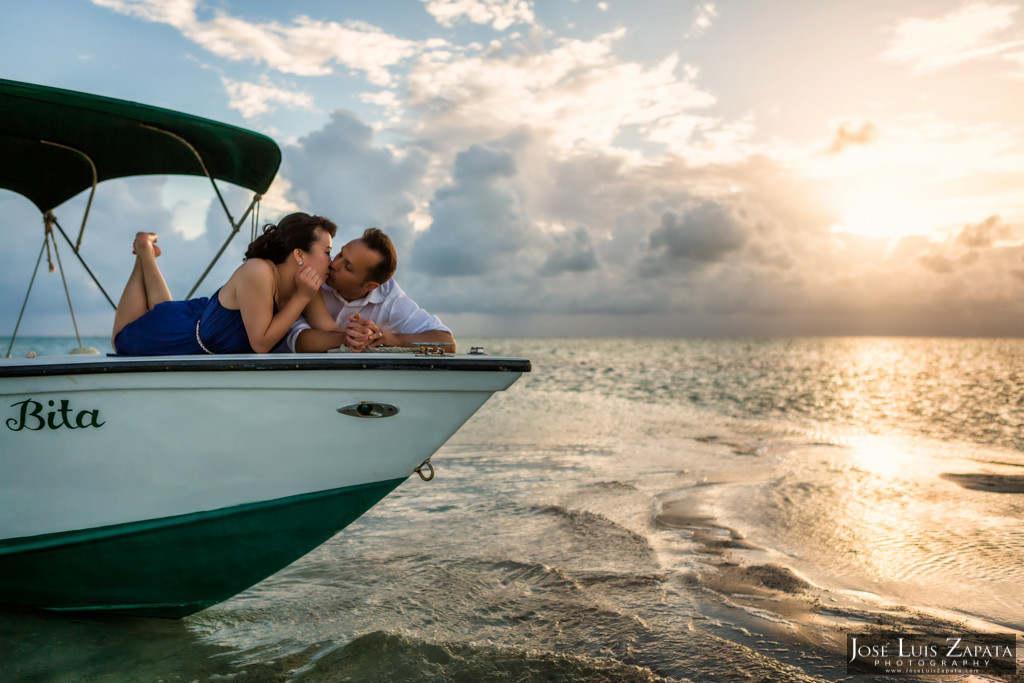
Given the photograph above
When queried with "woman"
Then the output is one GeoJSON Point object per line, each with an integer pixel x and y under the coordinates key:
{"type": "Point", "coordinates": [279, 280]}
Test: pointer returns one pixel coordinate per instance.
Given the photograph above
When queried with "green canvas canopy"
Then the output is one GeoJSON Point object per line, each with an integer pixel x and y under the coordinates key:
{"type": "Point", "coordinates": [48, 136]}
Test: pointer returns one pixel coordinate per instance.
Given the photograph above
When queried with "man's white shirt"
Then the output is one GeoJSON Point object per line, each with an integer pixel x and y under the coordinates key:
{"type": "Point", "coordinates": [387, 305]}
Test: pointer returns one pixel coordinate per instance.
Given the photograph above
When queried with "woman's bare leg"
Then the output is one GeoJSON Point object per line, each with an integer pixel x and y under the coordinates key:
{"type": "Point", "coordinates": [146, 286]}
{"type": "Point", "coordinates": [157, 291]}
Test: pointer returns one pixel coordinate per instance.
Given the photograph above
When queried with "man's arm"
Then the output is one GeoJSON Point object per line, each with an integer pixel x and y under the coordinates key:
{"type": "Point", "coordinates": [320, 341]}
{"type": "Point", "coordinates": [365, 334]}
{"type": "Point", "coordinates": [400, 313]}
{"type": "Point", "coordinates": [310, 340]}
{"type": "Point", "coordinates": [431, 336]}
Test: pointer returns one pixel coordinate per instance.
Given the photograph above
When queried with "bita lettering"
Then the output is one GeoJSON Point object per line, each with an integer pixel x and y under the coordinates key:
{"type": "Point", "coordinates": [31, 416]}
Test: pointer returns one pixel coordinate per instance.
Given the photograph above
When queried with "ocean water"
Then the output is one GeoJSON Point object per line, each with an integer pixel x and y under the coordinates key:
{"type": "Point", "coordinates": [637, 510]}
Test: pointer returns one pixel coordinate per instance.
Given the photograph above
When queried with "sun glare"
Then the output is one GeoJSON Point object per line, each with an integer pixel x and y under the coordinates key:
{"type": "Point", "coordinates": [881, 455]}
{"type": "Point", "coordinates": [885, 211]}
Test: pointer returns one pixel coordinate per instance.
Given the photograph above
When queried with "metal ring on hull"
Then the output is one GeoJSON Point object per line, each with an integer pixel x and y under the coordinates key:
{"type": "Point", "coordinates": [419, 470]}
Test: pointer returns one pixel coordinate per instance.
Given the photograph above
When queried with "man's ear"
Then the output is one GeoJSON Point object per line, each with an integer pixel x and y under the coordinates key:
{"type": "Point", "coordinates": [370, 286]}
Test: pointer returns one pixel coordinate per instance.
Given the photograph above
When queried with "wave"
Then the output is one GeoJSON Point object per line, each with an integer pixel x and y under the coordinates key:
{"type": "Point", "coordinates": [387, 657]}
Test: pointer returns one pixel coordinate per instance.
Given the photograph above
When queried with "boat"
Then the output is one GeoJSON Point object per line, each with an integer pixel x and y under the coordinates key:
{"type": "Point", "coordinates": [160, 486]}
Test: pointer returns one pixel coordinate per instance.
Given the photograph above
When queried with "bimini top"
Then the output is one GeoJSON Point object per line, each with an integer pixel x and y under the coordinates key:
{"type": "Point", "coordinates": [51, 140]}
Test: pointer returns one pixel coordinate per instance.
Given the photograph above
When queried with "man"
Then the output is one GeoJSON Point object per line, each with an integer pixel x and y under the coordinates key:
{"type": "Point", "coordinates": [369, 307]}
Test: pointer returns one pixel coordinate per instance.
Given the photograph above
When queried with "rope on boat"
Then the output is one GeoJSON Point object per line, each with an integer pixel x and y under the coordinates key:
{"type": "Point", "coordinates": [50, 220]}
{"type": "Point", "coordinates": [376, 349]}
{"type": "Point", "coordinates": [254, 224]}
{"type": "Point", "coordinates": [419, 348]}
{"type": "Point", "coordinates": [46, 241]}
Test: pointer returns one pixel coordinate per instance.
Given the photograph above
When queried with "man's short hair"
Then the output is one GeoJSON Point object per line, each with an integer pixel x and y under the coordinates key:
{"type": "Point", "coordinates": [375, 239]}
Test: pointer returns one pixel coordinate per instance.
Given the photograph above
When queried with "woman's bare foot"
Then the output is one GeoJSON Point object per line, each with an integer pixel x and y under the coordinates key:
{"type": "Point", "coordinates": [146, 240]}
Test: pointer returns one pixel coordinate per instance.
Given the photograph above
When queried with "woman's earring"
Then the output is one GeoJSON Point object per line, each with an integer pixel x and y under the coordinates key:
{"type": "Point", "coordinates": [300, 263]}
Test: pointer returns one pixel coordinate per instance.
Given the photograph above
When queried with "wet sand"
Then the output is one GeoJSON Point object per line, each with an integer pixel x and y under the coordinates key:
{"type": "Point", "coordinates": [774, 600]}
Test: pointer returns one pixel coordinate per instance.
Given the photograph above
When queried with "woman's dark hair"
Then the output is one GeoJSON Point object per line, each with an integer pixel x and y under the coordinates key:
{"type": "Point", "coordinates": [375, 239]}
{"type": "Point", "coordinates": [294, 231]}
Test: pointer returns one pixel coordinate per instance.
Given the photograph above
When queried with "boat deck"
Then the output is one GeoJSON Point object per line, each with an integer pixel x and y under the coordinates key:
{"type": "Point", "coordinates": [89, 365]}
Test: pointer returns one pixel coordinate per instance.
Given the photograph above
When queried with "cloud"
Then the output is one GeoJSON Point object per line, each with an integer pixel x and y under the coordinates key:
{"type": "Point", "coordinates": [177, 13]}
{"type": "Point", "coordinates": [847, 135]}
{"type": "Point", "coordinates": [937, 263]}
{"type": "Point", "coordinates": [571, 252]}
{"type": "Point", "coordinates": [387, 101]}
{"type": "Point", "coordinates": [339, 172]}
{"type": "Point", "coordinates": [576, 91]}
{"type": "Point", "coordinates": [546, 176]}
{"type": "Point", "coordinates": [1017, 59]}
{"type": "Point", "coordinates": [650, 246]}
{"type": "Point", "coordinates": [276, 202]}
{"type": "Point", "coordinates": [253, 99]}
{"type": "Point", "coordinates": [704, 233]}
{"type": "Point", "coordinates": [498, 13]}
{"type": "Point", "coordinates": [968, 34]}
{"type": "Point", "coordinates": [980, 255]}
{"type": "Point", "coordinates": [479, 219]}
{"type": "Point", "coordinates": [305, 47]}
{"type": "Point", "coordinates": [703, 16]}
{"type": "Point", "coordinates": [984, 234]}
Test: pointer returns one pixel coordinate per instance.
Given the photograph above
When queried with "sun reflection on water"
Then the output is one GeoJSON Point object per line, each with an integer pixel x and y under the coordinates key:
{"type": "Point", "coordinates": [883, 456]}
{"type": "Point", "coordinates": [892, 524]}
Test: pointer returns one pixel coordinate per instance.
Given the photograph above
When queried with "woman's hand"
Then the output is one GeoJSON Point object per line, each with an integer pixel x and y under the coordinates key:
{"type": "Point", "coordinates": [361, 334]}
{"type": "Point", "coordinates": [307, 282]}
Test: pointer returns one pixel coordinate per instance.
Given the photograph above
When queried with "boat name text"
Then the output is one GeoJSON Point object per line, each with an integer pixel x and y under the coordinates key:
{"type": "Point", "coordinates": [31, 416]}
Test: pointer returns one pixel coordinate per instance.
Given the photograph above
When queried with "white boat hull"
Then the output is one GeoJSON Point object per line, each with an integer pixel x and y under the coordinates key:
{"type": "Point", "coordinates": [105, 447]}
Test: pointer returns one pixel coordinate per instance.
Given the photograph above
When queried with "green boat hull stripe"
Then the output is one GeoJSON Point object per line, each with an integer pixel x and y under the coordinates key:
{"type": "Point", "coordinates": [175, 566]}
{"type": "Point", "coordinates": [67, 538]}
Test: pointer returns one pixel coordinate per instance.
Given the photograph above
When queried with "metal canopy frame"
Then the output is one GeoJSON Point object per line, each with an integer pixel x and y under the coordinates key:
{"type": "Point", "coordinates": [47, 133]}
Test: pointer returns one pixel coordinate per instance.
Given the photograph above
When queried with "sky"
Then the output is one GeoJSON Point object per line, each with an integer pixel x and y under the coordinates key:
{"type": "Point", "coordinates": [571, 167]}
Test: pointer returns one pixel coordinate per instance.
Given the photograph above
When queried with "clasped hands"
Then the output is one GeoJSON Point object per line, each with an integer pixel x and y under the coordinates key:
{"type": "Point", "coordinates": [362, 334]}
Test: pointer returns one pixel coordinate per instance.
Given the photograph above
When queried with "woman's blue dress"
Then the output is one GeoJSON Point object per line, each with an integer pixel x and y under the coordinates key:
{"type": "Point", "coordinates": [176, 327]}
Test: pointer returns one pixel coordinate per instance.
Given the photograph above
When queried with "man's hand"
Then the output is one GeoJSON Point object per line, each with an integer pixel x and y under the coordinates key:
{"type": "Point", "coordinates": [361, 334]}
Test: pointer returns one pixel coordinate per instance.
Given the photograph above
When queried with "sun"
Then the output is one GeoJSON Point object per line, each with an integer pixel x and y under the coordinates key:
{"type": "Point", "coordinates": [890, 208]}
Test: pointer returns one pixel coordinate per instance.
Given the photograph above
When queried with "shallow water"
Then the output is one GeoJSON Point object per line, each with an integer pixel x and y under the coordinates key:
{"type": "Point", "coordinates": [705, 510]}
